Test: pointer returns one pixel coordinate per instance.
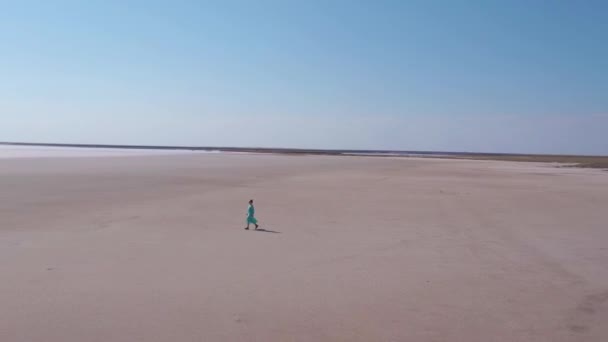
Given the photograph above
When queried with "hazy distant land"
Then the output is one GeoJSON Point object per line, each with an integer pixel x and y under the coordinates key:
{"type": "Point", "coordinates": [600, 162]}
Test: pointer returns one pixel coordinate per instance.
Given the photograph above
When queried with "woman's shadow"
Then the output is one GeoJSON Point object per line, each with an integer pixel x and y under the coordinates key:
{"type": "Point", "coordinates": [266, 231]}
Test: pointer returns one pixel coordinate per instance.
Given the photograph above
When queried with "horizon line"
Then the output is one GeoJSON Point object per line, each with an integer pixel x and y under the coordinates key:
{"type": "Point", "coordinates": [283, 149]}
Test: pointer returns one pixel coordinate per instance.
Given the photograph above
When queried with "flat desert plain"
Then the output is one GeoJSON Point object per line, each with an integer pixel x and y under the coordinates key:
{"type": "Point", "coordinates": [152, 248]}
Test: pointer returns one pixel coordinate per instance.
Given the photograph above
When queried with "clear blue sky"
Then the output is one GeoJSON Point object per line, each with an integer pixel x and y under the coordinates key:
{"type": "Point", "coordinates": [496, 76]}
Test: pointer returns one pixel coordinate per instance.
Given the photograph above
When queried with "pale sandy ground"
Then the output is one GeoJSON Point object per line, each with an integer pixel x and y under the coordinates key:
{"type": "Point", "coordinates": [152, 248]}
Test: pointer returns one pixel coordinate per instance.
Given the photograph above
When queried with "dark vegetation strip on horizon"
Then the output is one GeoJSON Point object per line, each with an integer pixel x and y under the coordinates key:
{"type": "Point", "coordinates": [574, 160]}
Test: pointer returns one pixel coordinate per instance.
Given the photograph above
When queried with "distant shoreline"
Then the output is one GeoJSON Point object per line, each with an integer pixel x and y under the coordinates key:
{"type": "Point", "coordinates": [573, 160]}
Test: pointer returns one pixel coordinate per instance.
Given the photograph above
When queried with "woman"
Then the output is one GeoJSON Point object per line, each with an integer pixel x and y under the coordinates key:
{"type": "Point", "coordinates": [251, 216]}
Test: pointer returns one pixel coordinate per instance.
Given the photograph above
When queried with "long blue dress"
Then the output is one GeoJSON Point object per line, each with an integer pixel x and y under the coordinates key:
{"type": "Point", "coordinates": [251, 215]}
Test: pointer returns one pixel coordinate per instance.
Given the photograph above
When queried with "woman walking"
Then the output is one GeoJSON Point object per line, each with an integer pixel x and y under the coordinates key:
{"type": "Point", "coordinates": [251, 216]}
